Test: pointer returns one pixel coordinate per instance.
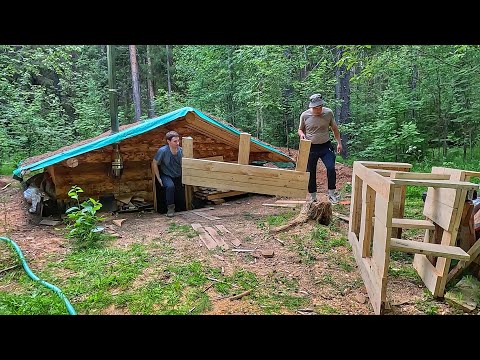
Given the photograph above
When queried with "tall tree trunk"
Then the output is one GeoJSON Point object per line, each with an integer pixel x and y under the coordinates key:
{"type": "Point", "coordinates": [342, 93]}
{"type": "Point", "coordinates": [445, 119]}
{"type": "Point", "coordinates": [151, 92]}
{"type": "Point", "coordinates": [135, 82]}
{"type": "Point", "coordinates": [169, 81]}
{"type": "Point", "coordinates": [231, 89]}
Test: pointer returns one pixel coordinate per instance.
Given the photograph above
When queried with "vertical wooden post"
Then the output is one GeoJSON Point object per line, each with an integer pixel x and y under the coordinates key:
{"type": "Point", "coordinates": [366, 225]}
{"type": "Point", "coordinates": [244, 149]}
{"type": "Point", "coordinates": [187, 148]}
{"type": "Point", "coordinates": [303, 153]}
{"type": "Point", "coordinates": [154, 185]}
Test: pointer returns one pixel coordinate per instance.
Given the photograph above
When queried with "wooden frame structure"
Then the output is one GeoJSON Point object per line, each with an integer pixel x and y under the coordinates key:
{"type": "Point", "coordinates": [241, 176]}
{"type": "Point", "coordinates": [376, 220]}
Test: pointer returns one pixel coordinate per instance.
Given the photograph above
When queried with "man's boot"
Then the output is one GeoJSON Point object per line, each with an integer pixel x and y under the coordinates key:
{"type": "Point", "coordinates": [170, 210]}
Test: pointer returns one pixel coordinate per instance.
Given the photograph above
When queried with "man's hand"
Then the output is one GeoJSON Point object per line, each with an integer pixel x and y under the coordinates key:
{"type": "Point", "coordinates": [302, 136]}
{"type": "Point", "coordinates": [339, 148]}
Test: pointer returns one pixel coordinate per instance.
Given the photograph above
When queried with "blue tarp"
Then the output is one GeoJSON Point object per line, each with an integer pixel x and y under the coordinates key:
{"type": "Point", "coordinates": [141, 128]}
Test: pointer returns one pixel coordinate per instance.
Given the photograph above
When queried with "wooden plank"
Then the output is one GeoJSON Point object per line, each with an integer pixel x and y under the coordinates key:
{"type": "Point", "coordinates": [474, 252]}
{"type": "Point", "coordinates": [449, 239]}
{"type": "Point", "coordinates": [285, 181]}
{"type": "Point", "coordinates": [213, 233]}
{"type": "Point", "coordinates": [412, 224]}
{"type": "Point", "coordinates": [247, 187]}
{"type": "Point", "coordinates": [355, 205]}
{"type": "Point", "coordinates": [206, 238]}
{"type": "Point", "coordinates": [420, 247]}
{"type": "Point", "coordinates": [214, 158]}
{"type": "Point", "coordinates": [420, 176]}
{"type": "Point", "coordinates": [244, 149]}
{"type": "Point", "coordinates": [206, 216]}
{"type": "Point", "coordinates": [187, 151]}
{"type": "Point", "coordinates": [377, 182]}
{"type": "Point", "coordinates": [231, 237]}
{"type": "Point", "coordinates": [451, 184]}
{"type": "Point", "coordinates": [441, 214]}
{"type": "Point", "coordinates": [222, 195]}
{"type": "Point", "coordinates": [368, 208]}
{"type": "Point", "coordinates": [284, 205]}
{"type": "Point", "coordinates": [303, 154]}
{"type": "Point", "coordinates": [49, 222]}
{"type": "Point", "coordinates": [370, 279]}
{"type": "Point", "coordinates": [427, 272]}
{"type": "Point", "coordinates": [290, 201]}
{"type": "Point", "coordinates": [382, 233]}
{"type": "Point", "coordinates": [386, 165]}
{"type": "Point", "coordinates": [250, 170]}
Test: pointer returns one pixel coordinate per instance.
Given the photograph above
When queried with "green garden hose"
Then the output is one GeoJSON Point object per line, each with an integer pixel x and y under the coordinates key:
{"type": "Point", "coordinates": [29, 272]}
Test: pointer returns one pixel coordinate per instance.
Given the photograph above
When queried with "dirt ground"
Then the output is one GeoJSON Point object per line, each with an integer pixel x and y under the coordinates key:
{"type": "Point", "coordinates": [241, 216]}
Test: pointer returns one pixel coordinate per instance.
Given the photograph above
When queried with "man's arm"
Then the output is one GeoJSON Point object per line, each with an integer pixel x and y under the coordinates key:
{"type": "Point", "coordinates": [156, 172]}
{"type": "Point", "coordinates": [301, 128]}
{"type": "Point", "coordinates": [336, 133]}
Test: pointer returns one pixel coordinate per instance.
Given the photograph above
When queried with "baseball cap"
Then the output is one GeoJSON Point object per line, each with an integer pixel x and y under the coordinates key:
{"type": "Point", "coordinates": [316, 100]}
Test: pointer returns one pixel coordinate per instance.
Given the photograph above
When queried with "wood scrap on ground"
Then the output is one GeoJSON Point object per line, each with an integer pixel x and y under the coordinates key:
{"type": "Point", "coordinates": [284, 205]}
{"type": "Point", "coordinates": [321, 212]}
{"type": "Point", "coordinates": [213, 233]}
{"type": "Point", "coordinates": [118, 222]}
{"type": "Point", "coordinates": [340, 216]}
{"type": "Point", "coordinates": [204, 236]}
{"type": "Point", "coordinates": [231, 237]}
{"type": "Point", "coordinates": [49, 222]}
{"type": "Point", "coordinates": [239, 296]}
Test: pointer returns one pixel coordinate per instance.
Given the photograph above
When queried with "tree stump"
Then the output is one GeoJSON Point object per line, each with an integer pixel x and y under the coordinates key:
{"type": "Point", "coordinates": [320, 211]}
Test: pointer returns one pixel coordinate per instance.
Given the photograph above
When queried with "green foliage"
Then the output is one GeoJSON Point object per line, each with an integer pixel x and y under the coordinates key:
{"type": "Point", "coordinates": [82, 221]}
{"type": "Point", "coordinates": [275, 220]}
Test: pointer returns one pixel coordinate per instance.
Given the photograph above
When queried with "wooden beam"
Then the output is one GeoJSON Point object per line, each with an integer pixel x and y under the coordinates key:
{"type": "Point", "coordinates": [303, 154]}
{"type": "Point", "coordinates": [420, 247]}
{"type": "Point", "coordinates": [287, 181]}
{"type": "Point", "coordinates": [412, 224]}
{"type": "Point", "coordinates": [370, 279]}
{"type": "Point", "coordinates": [386, 165]}
{"type": "Point", "coordinates": [437, 183]}
{"type": "Point", "coordinates": [251, 170]}
{"type": "Point", "coordinates": [377, 182]}
{"type": "Point", "coordinates": [187, 148]}
{"type": "Point", "coordinates": [368, 209]}
{"type": "Point", "coordinates": [244, 149]}
{"type": "Point", "coordinates": [474, 252]}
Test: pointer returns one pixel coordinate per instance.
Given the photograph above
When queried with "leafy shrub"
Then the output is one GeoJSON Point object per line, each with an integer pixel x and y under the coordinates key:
{"type": "Point", "coordinates": [82, 221]}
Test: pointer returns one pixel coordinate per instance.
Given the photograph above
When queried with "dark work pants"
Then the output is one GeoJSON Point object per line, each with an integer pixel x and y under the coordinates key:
{"type": "Point", "coordinates": [324, 152]}
{"type": "Point", "coordinates": [172, 186]}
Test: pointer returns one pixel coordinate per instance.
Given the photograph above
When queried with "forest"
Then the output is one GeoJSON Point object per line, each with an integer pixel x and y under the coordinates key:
{"type": "Point", "coordinates": [413, 103]}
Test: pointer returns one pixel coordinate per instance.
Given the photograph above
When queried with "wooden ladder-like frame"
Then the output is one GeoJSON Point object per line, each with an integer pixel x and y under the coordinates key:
{"type": "Point", "coordinates": [376, 220]}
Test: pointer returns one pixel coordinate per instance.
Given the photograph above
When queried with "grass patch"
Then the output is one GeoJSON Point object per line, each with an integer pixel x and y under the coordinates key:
{"type": "Point", "coordinates": [92, 275]}
{"type": "Point", "coordinates": [275, 220]}
{"type": "Point", "coordinates": [186, 230]}
{"type": "Point", "coordinates": [277, 293]}
{"type": "Point", "coordinates": [326, 309]}
{"type": "Point", "coordinates": [406, 272]}
{"type": "Point", "coordinates": [322, 240]}
{"type": "Point", "coordinates": [427, 304]}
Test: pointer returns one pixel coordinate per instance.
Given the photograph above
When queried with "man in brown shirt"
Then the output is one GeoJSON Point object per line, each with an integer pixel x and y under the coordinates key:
{"type": "Point", "coordinates": [315, 124]}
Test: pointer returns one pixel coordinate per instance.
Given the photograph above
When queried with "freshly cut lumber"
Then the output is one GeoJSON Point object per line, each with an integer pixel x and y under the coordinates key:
{"type": "Point", "coordinates": [420, 247]}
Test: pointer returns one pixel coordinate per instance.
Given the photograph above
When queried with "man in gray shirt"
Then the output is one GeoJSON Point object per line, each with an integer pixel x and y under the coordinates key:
{"type": "Point", "coordinates": [315, 124]}
{"type": "Point", "coordinates": [167, 166]}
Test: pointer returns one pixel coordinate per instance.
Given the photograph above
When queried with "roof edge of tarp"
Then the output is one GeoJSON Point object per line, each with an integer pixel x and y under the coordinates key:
{"type": "Point", "coordinates": [141, 128]}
